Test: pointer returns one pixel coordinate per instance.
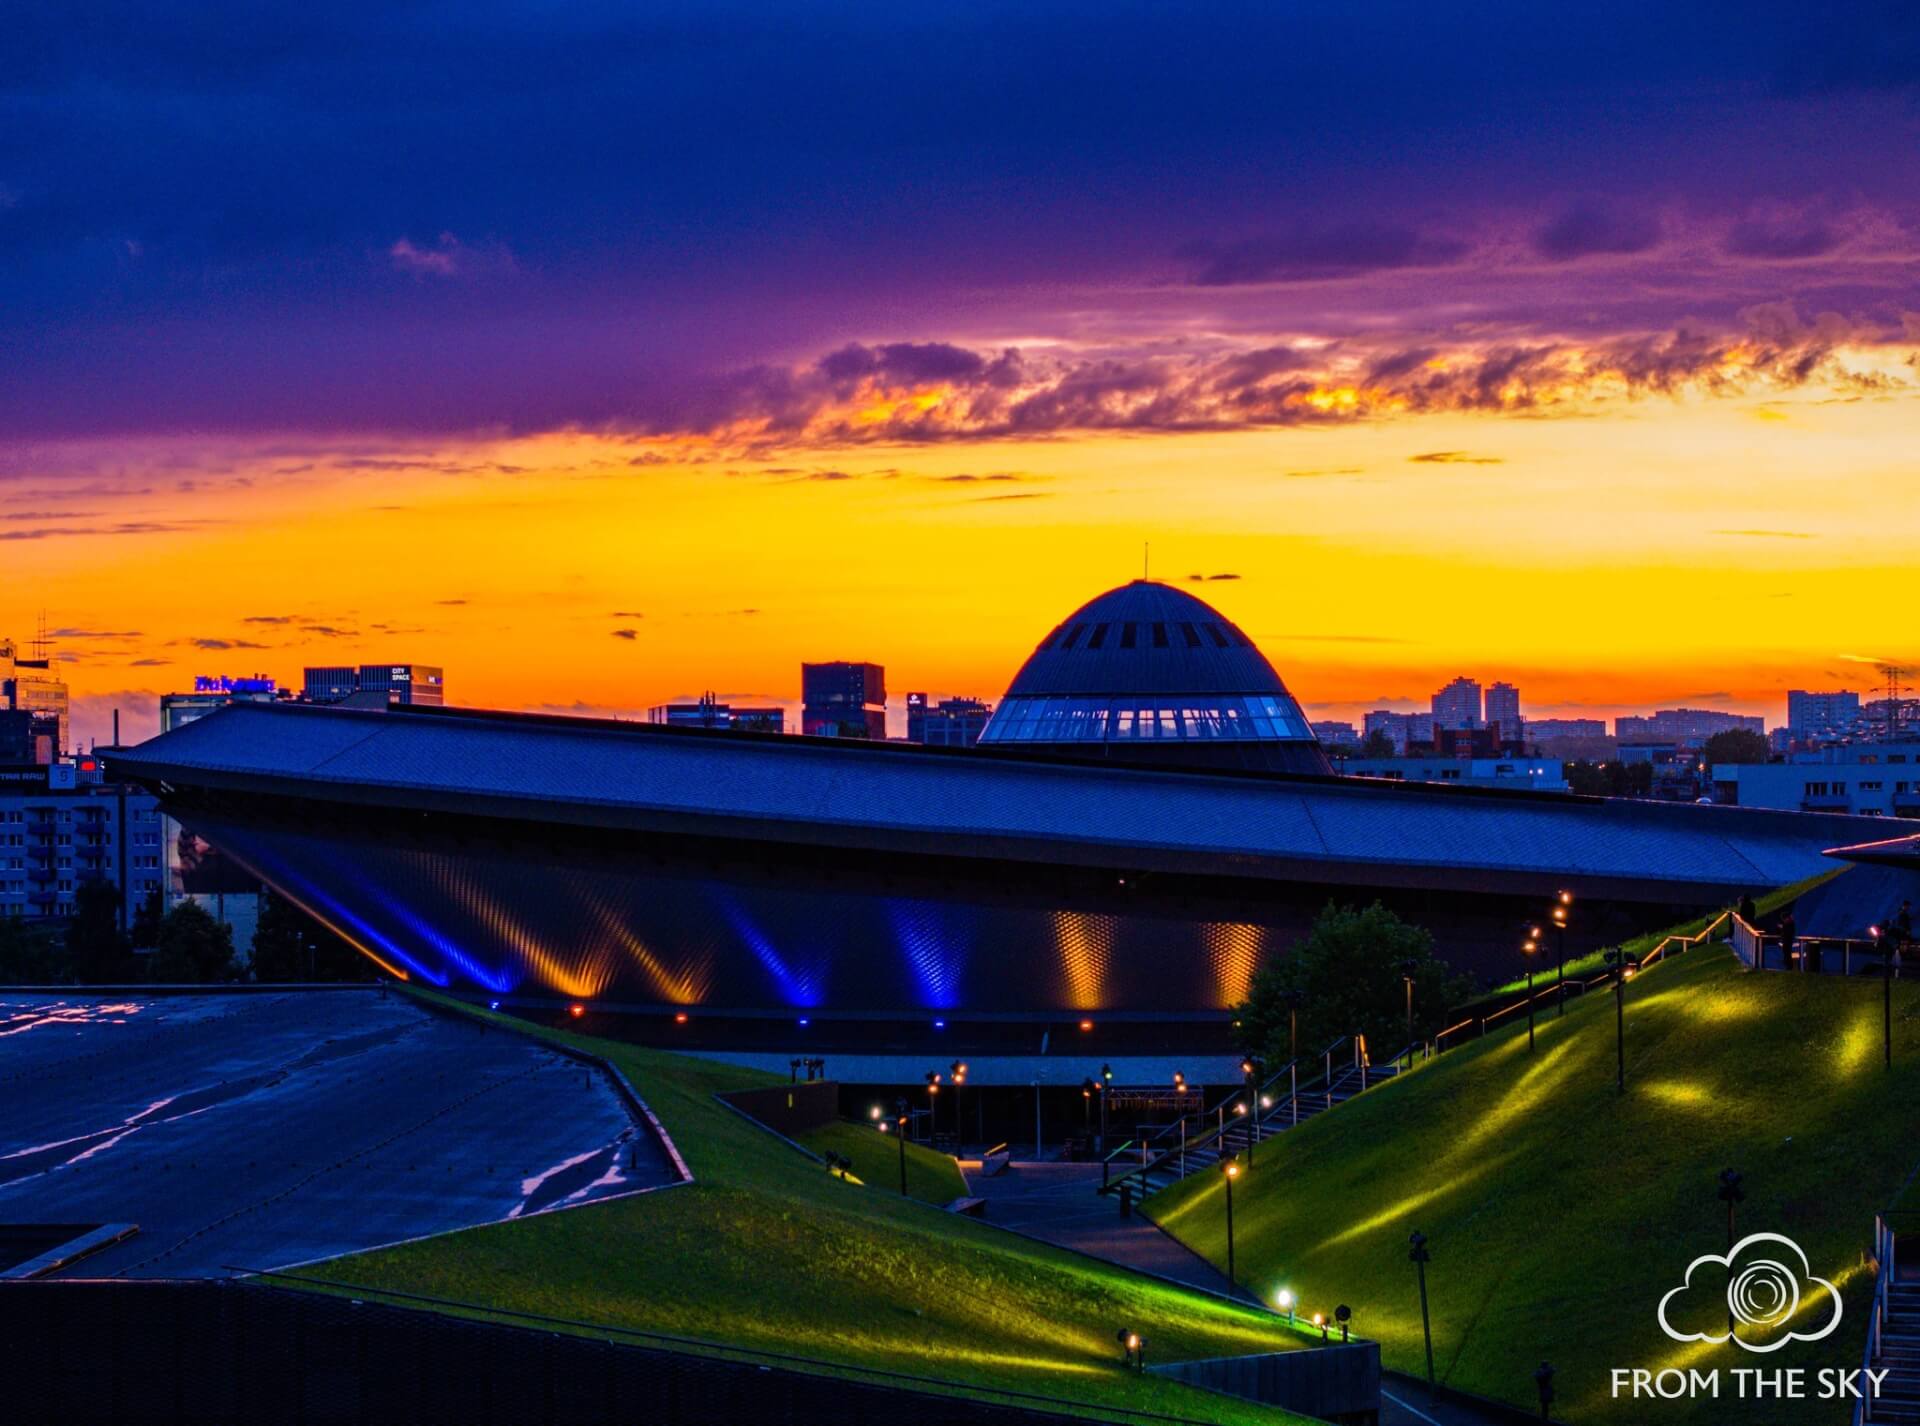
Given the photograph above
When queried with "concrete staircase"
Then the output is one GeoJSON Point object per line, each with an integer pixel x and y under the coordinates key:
{"type": "Point", "coordinates": [1207, 1143]}
{"type": "Point", "coordinates": [1899, 1399]}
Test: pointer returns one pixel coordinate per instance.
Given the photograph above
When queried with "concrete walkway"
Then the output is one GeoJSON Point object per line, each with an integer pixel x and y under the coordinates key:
{"type": "Point", "coordinates": [1060, 1204]}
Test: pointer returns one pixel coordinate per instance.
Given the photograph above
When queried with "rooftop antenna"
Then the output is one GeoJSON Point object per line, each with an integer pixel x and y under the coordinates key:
{"type": "Point", "coordinates": [40, 637]}
{"type": "Point", "coordinates": [1146, 560]}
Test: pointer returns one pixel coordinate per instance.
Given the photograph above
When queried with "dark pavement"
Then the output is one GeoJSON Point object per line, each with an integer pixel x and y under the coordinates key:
{"type": "Point", "coordinates": [267, 1129]}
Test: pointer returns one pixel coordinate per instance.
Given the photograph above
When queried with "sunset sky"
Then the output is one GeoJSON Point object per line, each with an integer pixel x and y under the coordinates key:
{"type": "Point", "coordinates": [605, 354]}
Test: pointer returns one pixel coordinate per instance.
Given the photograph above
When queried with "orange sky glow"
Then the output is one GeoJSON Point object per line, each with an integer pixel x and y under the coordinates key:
{"type": "Point", "coordinates": [1708, 548]}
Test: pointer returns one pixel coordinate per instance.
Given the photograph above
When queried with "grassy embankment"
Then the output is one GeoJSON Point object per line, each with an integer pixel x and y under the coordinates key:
{"type": "Point", "coordinates": [1559, 1212]}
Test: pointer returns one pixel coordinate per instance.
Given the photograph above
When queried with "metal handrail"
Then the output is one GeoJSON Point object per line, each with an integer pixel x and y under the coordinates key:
{"type": "Point", "coordinates": [1883, 1253]}
{"type": "Point", "coordinates": [1225, 1126]}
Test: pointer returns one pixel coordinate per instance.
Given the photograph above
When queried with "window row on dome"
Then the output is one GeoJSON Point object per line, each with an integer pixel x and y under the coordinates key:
{"type": "Point", "coordinates": [1158, 635]}
{"type": "Point", "coordinates": [1076, 720]}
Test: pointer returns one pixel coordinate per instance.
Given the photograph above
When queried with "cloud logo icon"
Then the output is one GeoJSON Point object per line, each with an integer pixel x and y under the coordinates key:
{"type": "Point", "coordinates": [1768, 1284]}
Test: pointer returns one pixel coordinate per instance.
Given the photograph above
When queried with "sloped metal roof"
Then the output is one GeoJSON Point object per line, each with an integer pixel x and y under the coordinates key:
{"type": "Point", "coordinates": [895, 798]}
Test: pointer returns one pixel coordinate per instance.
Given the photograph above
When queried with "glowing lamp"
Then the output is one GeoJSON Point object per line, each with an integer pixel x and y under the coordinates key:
{"type": "Point", "coordinates": [577, 1011]}
{"type": "Point", "coordinates": [874, 1113]}
{"type": "Point", "coordinates": [679, 1017]}
{"type": "Point", "coordinates": [1086, 1024]}
{"type": "Point", "coordinates": [1285, 1300]}
{"type": "Point", "coordinates": [1233, 1170]}
{"type": "Point", "coordinates": [493, 1005]}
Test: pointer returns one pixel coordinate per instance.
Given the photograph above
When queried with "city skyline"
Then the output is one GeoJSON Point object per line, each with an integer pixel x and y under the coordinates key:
{"type": "Point", "coordinates": [1407, 385]}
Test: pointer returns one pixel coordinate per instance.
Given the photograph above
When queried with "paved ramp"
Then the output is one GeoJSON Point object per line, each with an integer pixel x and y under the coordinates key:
{"type": "Point", "coordinates": [263, 1129]}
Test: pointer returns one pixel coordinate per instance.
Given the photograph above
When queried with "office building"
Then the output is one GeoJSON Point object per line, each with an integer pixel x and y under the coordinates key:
{"type": "Point", "coordinates": [410, 683]}
{"type": "Point", "coordinates": [950, 723]}
{"type": "Point", "coordinates": [843, 700]}
{"type": "Point", "coordinates": [709, 713]}
{"type": "Point", "coordinates": [34, 685]}
{"type": "Point", "coordinates": [1687, 726]}
{"type": "Point", "coordinates": [406, 683]}
{"type": "Point", "coordinates": [1816, 715]}
{"type": "Point", "coordinates": [1457, 705]}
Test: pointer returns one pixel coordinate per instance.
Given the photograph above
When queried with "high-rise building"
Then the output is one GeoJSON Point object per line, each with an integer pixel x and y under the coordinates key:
{"type": "Point", "coordinates": [34, 685]}
{"type": "Point", "coordinates": [950, 723]}
{"type": "Point", "coordinates": [417, 683]}
{"type": "Point", "coordinates": [708, 713]}
{"type": "Point", "coordinates": [845, 700]}
{"type": "Point", "coordinates": [1815, 714]}
{"type": "Point", "coordinates": [1457, 705]}
{"type": "Point", "coordinates": [1503, 711]}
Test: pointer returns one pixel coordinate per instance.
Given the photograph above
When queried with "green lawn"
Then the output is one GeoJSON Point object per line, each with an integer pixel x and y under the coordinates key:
{"type": "Point", "coordinates": [767, 1249]}
{"type": "Point", "coordinates": [1594, 962]}
{"type": "Point", "coordinates": [1559, 1213]}
{"type": "Point", "coordinates": [931, 1177]}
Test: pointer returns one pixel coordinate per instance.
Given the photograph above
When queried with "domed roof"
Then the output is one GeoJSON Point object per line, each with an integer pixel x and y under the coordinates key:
{"type": "Point", "coordinates": [1148, 673]}
{"type": "Point", "coordinates": [1146, 638]}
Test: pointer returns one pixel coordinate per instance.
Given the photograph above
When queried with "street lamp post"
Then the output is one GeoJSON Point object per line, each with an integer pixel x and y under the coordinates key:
{"type": "Point", "coordinates": [1543, 1383]}
{"type": "Point", "coordinates": [1527, 950]}
{"type": "Point", "coordinates": [1561, 911]}
{"type": "Point", "coordinates": [1888, 944]}
{"type": "Point", "coordinates": [1407, 967]}
{"type": "Point", "coordinates": [1106, 1081]}
{"type": "Point", "coordinates": [1730, 1193]}
{"type": "Point", "coordinates": [933, 1105]}
{"type": "Point", "coordinates": [1623, 966]}
{"type": "Point", "coordinates": [958, 1070]}
{"type": "Point", "coordinates": [1250, 1070]}
{"type": "Point", "coordinates": [901, 1112]}
{"type": "Point", "coordinates": [1231, 1168]}
{"type": "Point", "coordinates": [1420, 1257]}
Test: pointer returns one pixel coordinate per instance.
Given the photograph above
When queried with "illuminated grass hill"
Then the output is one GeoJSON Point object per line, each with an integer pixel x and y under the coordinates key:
{"type": "Point", "coordinates": [1558, 1213]}
{"type": "Point", "coordinates": [767, 1249]}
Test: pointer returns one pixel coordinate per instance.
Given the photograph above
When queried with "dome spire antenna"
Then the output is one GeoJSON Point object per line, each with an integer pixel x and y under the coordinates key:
{"type": "Point", "coordinates": [1146, 560]}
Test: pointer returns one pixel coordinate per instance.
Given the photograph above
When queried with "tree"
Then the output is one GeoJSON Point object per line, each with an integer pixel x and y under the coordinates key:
{"type": "Point", "coordinates": [146, 921]}
{"type": "Point", "coordinates": [1377, 745]}
{"type": "Point", "coordinates": [96, 949]}
{"type": "Point", "coordinates": [192, 947]}
{"type": "Point", "coordinates": [1610, 779]}
{"type": "Point", "coordinates": [288, 944]}
{"type": "Point", "coordinates": [30, 955]}
{"type": "Point", "coordinates": [1736, 745]}
{"type": "Point", "coordinates": [1349, 973]}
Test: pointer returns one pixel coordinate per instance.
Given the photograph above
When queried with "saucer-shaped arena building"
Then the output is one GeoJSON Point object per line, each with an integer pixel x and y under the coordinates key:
{"type": "Point", "coordinates": [1147, 819]}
